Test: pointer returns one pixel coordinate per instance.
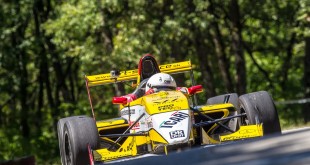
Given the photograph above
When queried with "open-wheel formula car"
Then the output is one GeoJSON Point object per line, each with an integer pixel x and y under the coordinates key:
{"type": "Point", "coordinates": [163, 120]}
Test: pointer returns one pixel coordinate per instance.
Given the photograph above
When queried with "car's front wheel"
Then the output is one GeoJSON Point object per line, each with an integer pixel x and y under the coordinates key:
{"type": "Point", "coordinates": [259, 108]}
{"type": "Point", "coordinates": [79, 132]}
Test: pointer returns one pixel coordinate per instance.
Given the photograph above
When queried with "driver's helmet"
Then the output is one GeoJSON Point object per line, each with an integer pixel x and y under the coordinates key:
{"type": "Point", "coordinates": [161, 81]}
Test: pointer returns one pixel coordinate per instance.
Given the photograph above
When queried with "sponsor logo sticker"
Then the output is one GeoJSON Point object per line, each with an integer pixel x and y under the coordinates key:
{"type": "Point", "coordinates": [165, 107]}
{"type": "Point", "coordinates": [174, 119]}
{"type": "Point", "coordinates": [126, 112]}
{"type": "Point", "coordinates": [176, 134]}
{"type": "Point", "coordinates": [136, 126]}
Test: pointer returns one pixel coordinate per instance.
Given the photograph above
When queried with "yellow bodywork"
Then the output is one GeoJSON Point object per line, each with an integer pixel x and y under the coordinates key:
{"type": "Point", "coordinates": [111, 123]}
{"type": "Point", "coordinates": [153, 138]}
{"type": "Point", "coordinates": [209, 109]}
{"type": "Point", "coordinates": [163, 101]}
{"type": "Point", "coordinates": [129, 148]}
{"type": "Point", "coordinates": [246, 131]}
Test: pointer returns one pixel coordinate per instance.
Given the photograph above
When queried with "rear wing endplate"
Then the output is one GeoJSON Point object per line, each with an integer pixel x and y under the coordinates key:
{"type": "Point", "coordinates": [101, 79]}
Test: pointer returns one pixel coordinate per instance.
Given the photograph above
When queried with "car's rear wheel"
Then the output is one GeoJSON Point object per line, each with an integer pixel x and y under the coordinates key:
{"type": "Point", "coordinates": [78, 133]}
{"type": "Point", "coordinates": [60, 128]}
{"type": "Point", "coordinates": [233, 99]}
{"type": "Point", "coordinates": [259, 108]}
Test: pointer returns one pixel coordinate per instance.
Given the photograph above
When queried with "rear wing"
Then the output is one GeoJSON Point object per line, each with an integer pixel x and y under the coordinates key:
{"type": "Point", "coordinates": [101, 79]}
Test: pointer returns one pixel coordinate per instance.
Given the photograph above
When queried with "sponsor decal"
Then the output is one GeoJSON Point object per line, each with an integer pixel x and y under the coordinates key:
{"type": "Point", "coordinates": [176, 134]}
{"type": "Point", "coordinates": [243, 134]}
{"type": "Point", "coordinates": [165, 101]}
{"type": "Point", "coordinates": [163, 95]}
{"type": "Point", "coordinates": [247, 131]}
{"type": "Point", "coordinates": [125, 112]}
{"type": "Point", "coordinates": [169, 66]}
{"type": "Point", "coordinates": [123, 73]}
{"type": "Point", "coordinates": [237, 137]}
{"type": "Point", "coordinates": [129, 72]}
{"type": "Point", "coordinates": [137, 126]}
{"type": "Point", "coordinates": [174, 119]}
{"type": "Point", "coordinates": [149, 122]}
{"type": "Point", "coordinates": [160, 102]}
{"type": "Point", "coordinates": [167, 81]}
{"type": "Point", "coordinates": [102, 77]}
{"type": "Point", "coordinates": [165, 107]}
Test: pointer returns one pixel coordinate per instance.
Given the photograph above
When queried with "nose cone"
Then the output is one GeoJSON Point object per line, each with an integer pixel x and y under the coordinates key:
{"type": "Point", "coordinates": [173, 126]}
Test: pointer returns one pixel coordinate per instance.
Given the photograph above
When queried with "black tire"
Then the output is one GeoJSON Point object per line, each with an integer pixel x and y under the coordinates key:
{"type": "Point", "coordinates": [259, 108]}
{"type": "Point", "coordinates": [60, 128]}
{"type": "Point", "coordinates": [234, 100]}
{"type": "Point", "coordinates": [78, 132]}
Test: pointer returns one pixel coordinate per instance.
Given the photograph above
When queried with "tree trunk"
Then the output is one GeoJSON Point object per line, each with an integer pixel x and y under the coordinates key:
{"type": "Point", "coordinates": [37, 6]}
{"type": "Point", "coordinates": [22, 72]}
{"type": "Point", "coordinates": [306, 108]}
{"type": "Point", "coordinates": [202, 53]}
{"type": "Point", "coordinates": [287, 61]}
{"type": "Point", "coordinates": [206, 71]}
{"type": "Point", "coordinates": [38, 119]}
{"type": "Point", "coordinates": [106, 33]}
{"type": "Point", "coordinates": [107, 40]}
{"type": "Point", "coordinates": [223, 61]}
{"type": "Point", "coordinates": [24, 93]}
{"type": "Point", "coordinates": [41, 10]}
{"type": "Point", "coordinates": [60, 75]}
{"type": "Point", "coordinates": [237, 47]}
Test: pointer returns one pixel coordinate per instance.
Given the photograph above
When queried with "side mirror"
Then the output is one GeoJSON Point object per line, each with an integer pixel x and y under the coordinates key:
{"type": "Point", "coordinates": [195, 89]}
{"type": "Point", "coordinates": [119, 100]}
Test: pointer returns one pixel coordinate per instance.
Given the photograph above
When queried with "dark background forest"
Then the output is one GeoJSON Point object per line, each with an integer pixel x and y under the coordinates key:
{"type": "Point", "coordinates": [47, 46]}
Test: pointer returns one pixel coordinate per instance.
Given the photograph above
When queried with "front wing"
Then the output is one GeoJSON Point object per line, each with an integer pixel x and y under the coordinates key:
{"type": "Point", "coordinates": [130, 146]}
{"type": "Point", "coordinates": [247, 131]}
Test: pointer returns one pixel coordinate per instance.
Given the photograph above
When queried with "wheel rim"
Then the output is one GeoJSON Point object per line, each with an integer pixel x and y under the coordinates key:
{"type": "Point", "coordinates": [68, 150]}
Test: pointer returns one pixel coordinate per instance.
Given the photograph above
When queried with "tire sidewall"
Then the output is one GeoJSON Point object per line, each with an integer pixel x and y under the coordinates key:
{"type": "Point", "coordinates": [70, 135]}
{"type": "Point", "coordinates": [60, 131]}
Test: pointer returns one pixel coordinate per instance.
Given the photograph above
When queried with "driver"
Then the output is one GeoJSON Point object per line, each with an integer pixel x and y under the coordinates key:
{"type": "Point", "coordinates": [160, 81]}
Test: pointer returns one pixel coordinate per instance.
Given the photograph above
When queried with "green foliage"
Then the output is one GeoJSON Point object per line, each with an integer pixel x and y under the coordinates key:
{"type": "Point", "coordinates": [48, 46]}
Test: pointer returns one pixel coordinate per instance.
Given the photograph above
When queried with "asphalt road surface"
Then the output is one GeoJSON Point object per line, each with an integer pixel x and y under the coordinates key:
{"type": "Point", "coordinates": [290, 148]}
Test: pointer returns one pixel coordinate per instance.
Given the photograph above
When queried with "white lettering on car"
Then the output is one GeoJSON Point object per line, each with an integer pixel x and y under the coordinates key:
{"type": "Point", "coordinates": [174, 119]}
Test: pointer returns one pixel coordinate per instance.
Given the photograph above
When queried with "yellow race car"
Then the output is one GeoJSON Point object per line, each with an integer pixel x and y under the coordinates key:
{"type": "Point", "coordinates": [162, 121]}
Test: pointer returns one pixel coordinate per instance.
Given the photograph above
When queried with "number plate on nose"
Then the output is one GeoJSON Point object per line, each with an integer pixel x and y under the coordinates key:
{"type": "Point", "coordinates": [176, 134]}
